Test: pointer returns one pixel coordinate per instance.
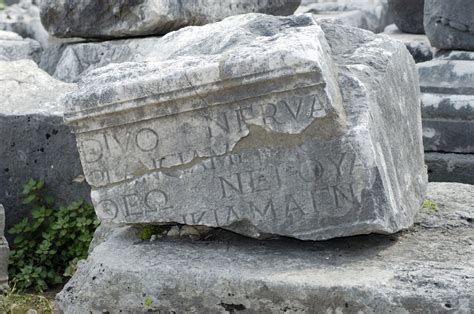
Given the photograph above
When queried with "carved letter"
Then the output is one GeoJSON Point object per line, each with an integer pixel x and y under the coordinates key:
{"type": "Point", "coordinates": [92, 151]}
{"type": "Point", "coordinates": [108, 208]}
{"type": "Point", "coordinates": [146, 139]}
{"type": "Point", "coordinates": [236, 187]}
{"type": "Point", "coordinates": [264, 212]}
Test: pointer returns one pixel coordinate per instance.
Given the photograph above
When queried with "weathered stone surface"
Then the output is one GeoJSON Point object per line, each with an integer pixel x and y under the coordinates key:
{"type": "Point", "coordinates": [449, 24]}
{"type": "Point", "coordinates": [445, 167]}
{"type": "Point", "coordinates": [35, 143]}
{"type": "Point", "coordinates": [371, 15]}
{"type": "Point", "coordinates": [24, 18]}
{"type": "Point", "coordinates": [417, 44]}
{"type": "Point", "coordinates": [101, 19]}
{"type": "Point", "coordinates": [4, 251]}
{"type": "Point", "coordinates": [206, 137]}
{"type": "Point", "coordinates": [447, 87]}
{"type": "Point", "coordinates": [408, 15]}
{"type": "Point", "coordinates": [68, 61]}
{"type": "Point", "coordinates": [14, 47]}
{"type": "Point", "coordinates": [428, 269]}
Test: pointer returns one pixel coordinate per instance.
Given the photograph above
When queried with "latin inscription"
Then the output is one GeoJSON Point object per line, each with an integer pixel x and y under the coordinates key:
{"type": "Point", "coordinates": [118, 154]}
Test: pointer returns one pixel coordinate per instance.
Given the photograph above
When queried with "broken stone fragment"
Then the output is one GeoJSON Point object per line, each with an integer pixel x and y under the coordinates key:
{"type": "Point", "coordinates": [35, 142]}
{"type": "Point", "coordinates": [448, 24]}
{"type": "Point", "coordinates": [263, 125]}
{"type": "Point", "coordinates": [14, 47]}
{"type": "Point", "coordinates": [4, 252]}
{"type": "Point", "coordinates": [102, 19]}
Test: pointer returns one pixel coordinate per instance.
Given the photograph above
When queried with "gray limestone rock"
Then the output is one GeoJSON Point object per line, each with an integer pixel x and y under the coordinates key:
{"type": "Point", "coordinates": [408, 15]}
{"type": "Point", "coordinates": [371, 15]}
{"type": "Point", "coordinates": [447, 87]}
{"type": "Point", "coordinates": [248, 124]}
{"type": "Point", "coordinates": [428, 269]}
{"type": "Point", "coordinates": [24, 18]}
{"type": "Point", "coordinates": [14, 47]}
{"type": "Point", "coordinates": [445, 167]}
{"type": "Point", "coordinates": [4, 252]}
{"type": "Point", "coordinates": [35, 143]}
{"type": "Point", "coordinates": [417, 44]}
{"type": "Point", "coordinates": [450, 24]}
{"type": "Point", "coordinates": [130, 18]}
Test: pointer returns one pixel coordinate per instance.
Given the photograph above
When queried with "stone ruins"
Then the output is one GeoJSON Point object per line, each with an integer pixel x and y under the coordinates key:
{"type": "Point", "coordinates": [279, 151]}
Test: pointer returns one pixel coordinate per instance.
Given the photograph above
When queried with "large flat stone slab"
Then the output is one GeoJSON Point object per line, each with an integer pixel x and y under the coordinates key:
{"type": "Point", "coordinates": [35, 142]}
{"type": "Point", "coordinates": [208, 138]}
{"type": "Point", "coordinates": [101, 19]}
{"type": "Point", "coordinates": [427, 269]}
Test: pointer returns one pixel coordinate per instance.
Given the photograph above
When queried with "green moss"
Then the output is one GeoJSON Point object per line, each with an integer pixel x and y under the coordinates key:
{"type": "Point", "coordinates": [146, 231]}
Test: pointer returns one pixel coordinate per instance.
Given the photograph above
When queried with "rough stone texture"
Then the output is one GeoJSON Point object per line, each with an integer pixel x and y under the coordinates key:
{"type": "Point", "coordinates": [24, 18]}
{"type": "Point", "coordinates": [68, 61]}
{"type": "Point", "coordinates": [13, 47]}
{"type": "Point", "coordinates": [417, 44]}
{"type": "Point", "coordinates": [427, 269]}
{"type": "Point", "coordinates": [447, 87]}
{"type": "Point", "coordinates": [35, 142]}
{"type": "Point", "coordinates": [4, 251]}
{"type": "Point", "coordinates": [445, 167]}
{"type": "Point", "coordinates": [408, 15]}
{"type": "Point", "coordinates": [371, 15]}
{"type": "Point", "coordinates": [261, 150]}
{"type": "Point", "coordinates": [450, 24]}
{"type": "Point", "coordinates": [129, 18]}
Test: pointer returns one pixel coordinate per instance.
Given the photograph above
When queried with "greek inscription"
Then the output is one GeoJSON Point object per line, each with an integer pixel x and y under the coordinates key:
{"type": "Point", "coordinates": [108, 209]}
{"type": "Point", "coordinates": [293, 210]}
{"type": "Point", "coordinates": [263, 211]}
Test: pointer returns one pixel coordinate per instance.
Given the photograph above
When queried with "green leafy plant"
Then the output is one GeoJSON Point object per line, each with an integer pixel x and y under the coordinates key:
{"type": "Point", "coordinates": [48, 244]}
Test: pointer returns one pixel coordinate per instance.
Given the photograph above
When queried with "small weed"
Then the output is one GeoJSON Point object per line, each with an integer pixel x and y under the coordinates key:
{"type": "Point", "coordinates": [428, 204]}
{"type": "Point", "coordinates": [14, 302]}
{"type": "Point", "coordinates": [148, 301]}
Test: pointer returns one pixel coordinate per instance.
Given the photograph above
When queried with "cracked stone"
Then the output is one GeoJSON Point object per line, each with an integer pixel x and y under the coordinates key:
{"type": "Point", "coordinates": [266, 126]}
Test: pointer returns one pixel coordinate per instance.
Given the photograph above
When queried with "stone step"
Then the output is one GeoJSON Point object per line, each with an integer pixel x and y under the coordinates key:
{"type": "Point", "coordinates": [426, 269]}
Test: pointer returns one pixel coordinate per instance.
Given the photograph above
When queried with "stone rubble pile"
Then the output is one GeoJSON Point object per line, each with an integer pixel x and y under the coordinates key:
{"type": "Point", "coordinates": [235, 135]}
{"type": "Point", "coordinates": [447, 86]}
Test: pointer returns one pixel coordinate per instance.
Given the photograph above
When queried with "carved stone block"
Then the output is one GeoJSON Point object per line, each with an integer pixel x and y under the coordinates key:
{"type": "Point", "coordinates": [256, 130]}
